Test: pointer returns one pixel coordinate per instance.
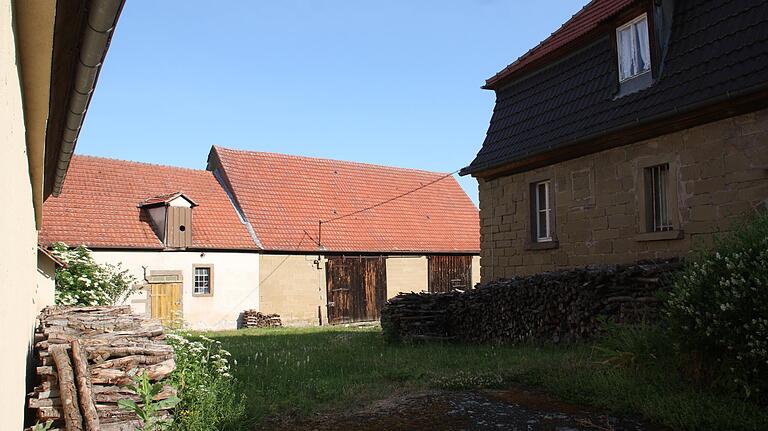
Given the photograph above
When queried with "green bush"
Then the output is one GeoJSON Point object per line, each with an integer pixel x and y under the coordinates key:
{"type": "Point", "coordinates": [717, 310]}
{"type": "Point", "coordinates": [84, 282]}
{"type": "Point", "coordinates": [208, 392]}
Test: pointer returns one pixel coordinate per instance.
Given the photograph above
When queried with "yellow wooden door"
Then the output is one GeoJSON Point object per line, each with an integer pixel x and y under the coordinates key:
{"type": "Point", "coordinates": [166, 302]}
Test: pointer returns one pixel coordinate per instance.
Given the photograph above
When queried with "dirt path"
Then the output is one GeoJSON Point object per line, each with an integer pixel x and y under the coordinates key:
{"type": "Point", "coordinates": [518, 409]}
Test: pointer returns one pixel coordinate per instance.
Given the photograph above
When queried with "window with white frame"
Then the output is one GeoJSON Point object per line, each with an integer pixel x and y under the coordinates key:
{"type": "Point", "coordinates": [203, 280]}
{"type": "Point", "coordinates": [658, 217]}
{"type": "Point", "coordinates": [542, 211]}
{"type": "Point", "coordinates": [633, 48]}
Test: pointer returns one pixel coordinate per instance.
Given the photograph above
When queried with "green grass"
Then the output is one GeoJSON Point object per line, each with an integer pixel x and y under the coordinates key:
{"type": "Point", "coordinates": [301, 371]}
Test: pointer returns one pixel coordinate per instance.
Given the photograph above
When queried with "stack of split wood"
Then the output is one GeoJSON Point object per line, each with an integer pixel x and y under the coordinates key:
{"type": "Point", "coordinates": [86, 357]}
{"type": "Point", "coordinates": [557, 306]}
{"type": "Point", "coordinates": [256, 319]}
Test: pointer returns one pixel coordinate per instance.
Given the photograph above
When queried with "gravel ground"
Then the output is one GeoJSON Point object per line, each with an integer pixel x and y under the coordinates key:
{"type": "Point", "coordinates": [518, 409]}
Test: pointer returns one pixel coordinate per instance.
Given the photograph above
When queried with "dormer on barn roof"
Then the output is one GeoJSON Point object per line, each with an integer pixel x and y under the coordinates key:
{"type": "Point", "coordinates": [171, 216]}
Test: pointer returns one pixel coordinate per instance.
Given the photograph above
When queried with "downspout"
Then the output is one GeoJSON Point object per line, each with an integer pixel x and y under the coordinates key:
{"type": "Point", "coordinates": [100, 25]}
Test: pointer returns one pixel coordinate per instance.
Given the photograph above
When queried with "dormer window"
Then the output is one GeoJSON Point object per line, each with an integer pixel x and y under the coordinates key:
{"type": "Point", "coordinates": [171, 218]}
{"type": "Point", "coordinates": [634, 48]}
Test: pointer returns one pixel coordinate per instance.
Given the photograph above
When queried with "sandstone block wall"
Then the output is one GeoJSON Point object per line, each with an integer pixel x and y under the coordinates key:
{"type": "Point", "coordinates": [719, 173]}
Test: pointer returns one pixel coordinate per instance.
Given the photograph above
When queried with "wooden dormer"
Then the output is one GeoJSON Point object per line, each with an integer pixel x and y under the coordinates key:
{"type": "Point", "coordinates": [171, 216]}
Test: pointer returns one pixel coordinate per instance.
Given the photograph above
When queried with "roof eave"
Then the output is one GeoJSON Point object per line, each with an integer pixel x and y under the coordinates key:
{"type": "Point", "coordinates": [678, 118]}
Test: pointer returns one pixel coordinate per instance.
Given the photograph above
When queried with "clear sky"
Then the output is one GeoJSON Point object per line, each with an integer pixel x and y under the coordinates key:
{"type": "Point", "coordinates": [393, 82]}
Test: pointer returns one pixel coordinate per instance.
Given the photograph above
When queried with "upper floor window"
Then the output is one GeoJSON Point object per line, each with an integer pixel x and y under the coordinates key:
{"type": "Point", "coordinates": [633, 48]}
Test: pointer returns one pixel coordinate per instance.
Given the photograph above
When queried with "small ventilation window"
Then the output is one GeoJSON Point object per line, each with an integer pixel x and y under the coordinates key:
{"type": "Point", "coordinates": [182, 228]}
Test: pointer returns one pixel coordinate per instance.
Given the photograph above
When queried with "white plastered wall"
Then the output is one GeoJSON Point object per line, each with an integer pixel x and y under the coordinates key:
{"type": "Point", "coordinates": [18, 261]}
{"type": "Point", "coordinates": [475, 270]}
{"type": "Point", "coordinates": [235, 282]}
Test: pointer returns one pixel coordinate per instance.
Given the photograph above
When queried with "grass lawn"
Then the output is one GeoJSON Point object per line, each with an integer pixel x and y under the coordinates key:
{"type": "Point", "coordinates": [300, 371]}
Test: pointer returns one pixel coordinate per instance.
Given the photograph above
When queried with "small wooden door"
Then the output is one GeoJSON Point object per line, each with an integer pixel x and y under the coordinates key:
{"type": "Point", "coordinates": [165, 300]}
{"type": "Point", "coordinates": [448, 272]}
{"type": "Point", "coordinates": [356, 287]}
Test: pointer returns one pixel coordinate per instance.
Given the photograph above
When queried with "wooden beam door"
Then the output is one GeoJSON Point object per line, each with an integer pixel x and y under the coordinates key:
{"type": "Point", "coordinates": [356, 287]}
{"type": "Point", "coordinates": [165, 300]}
{"type": "Point", "coordinates": [448, 272]}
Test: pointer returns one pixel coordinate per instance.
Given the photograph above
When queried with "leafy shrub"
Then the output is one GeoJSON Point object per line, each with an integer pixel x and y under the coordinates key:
{"type": "Point", "coordinates": [205, 385]}
{"type": "Point", "coordinates": [717, 310]}
{"type": "Point", "coordinates": [148, 410]}
{"type": "Point", "coordinates": [85, 282]}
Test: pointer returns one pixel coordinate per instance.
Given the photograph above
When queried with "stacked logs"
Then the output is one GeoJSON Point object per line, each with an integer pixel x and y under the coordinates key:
{"type": "Point", "coordinates": [256, 319]}
{"type": "Point", "coordinates": [565, 305]}
{"type": "Point", "coordinates": [86, 357]}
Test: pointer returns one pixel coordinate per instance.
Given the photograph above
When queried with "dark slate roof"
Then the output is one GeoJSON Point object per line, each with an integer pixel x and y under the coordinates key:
{"type": "Point", "coordinates": [716, 48]}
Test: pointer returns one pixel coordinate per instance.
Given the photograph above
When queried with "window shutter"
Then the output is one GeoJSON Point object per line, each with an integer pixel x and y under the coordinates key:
{"type": "Point", "coordinates": [179, 227]}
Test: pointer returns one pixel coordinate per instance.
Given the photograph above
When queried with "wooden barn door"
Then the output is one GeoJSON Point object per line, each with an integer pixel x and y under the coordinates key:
{"type": "Point", "coordinates": [357, 288]}
{"type": "Point", "coordinates": [165, 300]}
{"type": "Point", "coordinates": [448, 272]}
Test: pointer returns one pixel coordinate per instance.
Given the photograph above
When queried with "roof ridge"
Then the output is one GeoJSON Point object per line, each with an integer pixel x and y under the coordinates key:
{"type": "Point", "coordinates": [572, 35]}
{"type": "Point", "coordinates": [325, 159]}
{"type": "Point", "coordinates": [135, 162]}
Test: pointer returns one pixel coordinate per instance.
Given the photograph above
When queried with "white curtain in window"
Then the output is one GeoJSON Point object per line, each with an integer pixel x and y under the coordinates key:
{"type": "Point", "coordinates": [625, 53]}
{"type": "Point", "coordinates": [643, 52]}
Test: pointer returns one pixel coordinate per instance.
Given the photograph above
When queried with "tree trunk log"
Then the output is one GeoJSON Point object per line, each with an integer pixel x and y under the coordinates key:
{"type": "Point", "coordinates": [72, 418]}
{"type": "Point", "coordinates": [87, 405]}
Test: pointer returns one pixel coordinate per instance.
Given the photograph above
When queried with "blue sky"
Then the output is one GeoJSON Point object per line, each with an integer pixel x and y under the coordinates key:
{"type": "Point", "coordinates": [393, 82]}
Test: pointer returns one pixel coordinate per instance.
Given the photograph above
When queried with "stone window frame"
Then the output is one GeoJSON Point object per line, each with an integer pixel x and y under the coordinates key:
{"type": "Point", "coordinates": [531, 241]}
{"type": "Point", "coordinates": [640, 183]}
{"type": "Point", "coordinates": [210, 279]}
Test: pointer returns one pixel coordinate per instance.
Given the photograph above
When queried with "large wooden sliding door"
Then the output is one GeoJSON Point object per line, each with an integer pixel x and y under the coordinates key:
{"type": "Point", "coordinates": [357, 288]}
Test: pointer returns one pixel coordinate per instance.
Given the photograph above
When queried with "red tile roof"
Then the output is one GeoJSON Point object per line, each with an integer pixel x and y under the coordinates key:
{"type": "Point", "coordinates": [283, 197]}
{"type": "Point", "coordinates": [580, 24]}
{"type": "Point", "coordinates": [98, 206]}
{"type": "Point", "coordinates": [165, 199]}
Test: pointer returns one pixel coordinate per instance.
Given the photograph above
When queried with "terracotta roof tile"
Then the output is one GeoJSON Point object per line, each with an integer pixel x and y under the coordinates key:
{"type": "Point", "coordinates": [284, 197]}
{"type": "Point", "coordinates": [98, 206]}
{"type": "Point", "coordinates": [587, 19]}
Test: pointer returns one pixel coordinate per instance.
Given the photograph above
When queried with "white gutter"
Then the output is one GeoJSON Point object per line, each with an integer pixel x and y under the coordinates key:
{"type": "Point", "coordinates": [100, 25]}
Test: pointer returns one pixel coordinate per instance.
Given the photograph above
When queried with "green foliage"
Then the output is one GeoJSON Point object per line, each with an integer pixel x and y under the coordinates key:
{"type": "Point", "coordinates": [147, 410]}
{"type": "Point", "coordinates": [43, 427]}
{"type": "Point", "coordinates": [205, 384]}
{"type": "Point", "coordinates": [84, 282]}
{"type": "Point", "coordinates": [717, 310]}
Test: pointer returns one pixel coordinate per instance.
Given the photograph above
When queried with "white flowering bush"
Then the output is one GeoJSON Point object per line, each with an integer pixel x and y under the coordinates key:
{"type": "Point", "coordinates": [203, 378]}
{"type": "Point", "coordinates": [84, 282]}
{"type": "Point", "coordinates": [718, 308]}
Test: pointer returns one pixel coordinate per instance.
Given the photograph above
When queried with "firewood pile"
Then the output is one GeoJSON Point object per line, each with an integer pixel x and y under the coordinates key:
{"type": "Point", "coordinates": [85, 359]}
{"type": "Point", "coordinates": [555, 306]}
{"type": "Point", "coordinates": [256, 319]}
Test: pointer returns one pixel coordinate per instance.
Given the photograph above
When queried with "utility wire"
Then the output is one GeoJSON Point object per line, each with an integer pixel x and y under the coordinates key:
{"type": "Point", "coordinates": [390, 199]}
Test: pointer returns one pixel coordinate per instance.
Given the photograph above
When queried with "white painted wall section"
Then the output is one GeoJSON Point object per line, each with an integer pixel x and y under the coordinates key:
{"type": "Point", "coordinates": [235, 282]}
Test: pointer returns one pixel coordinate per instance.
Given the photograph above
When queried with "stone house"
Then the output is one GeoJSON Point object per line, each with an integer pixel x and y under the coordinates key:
{"type": "Point", "coordinates": [45, 92]}
{"type": "Point", "coordinates": [208, 244]}
{"type": "Point", "coordinates": [637, 130]}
